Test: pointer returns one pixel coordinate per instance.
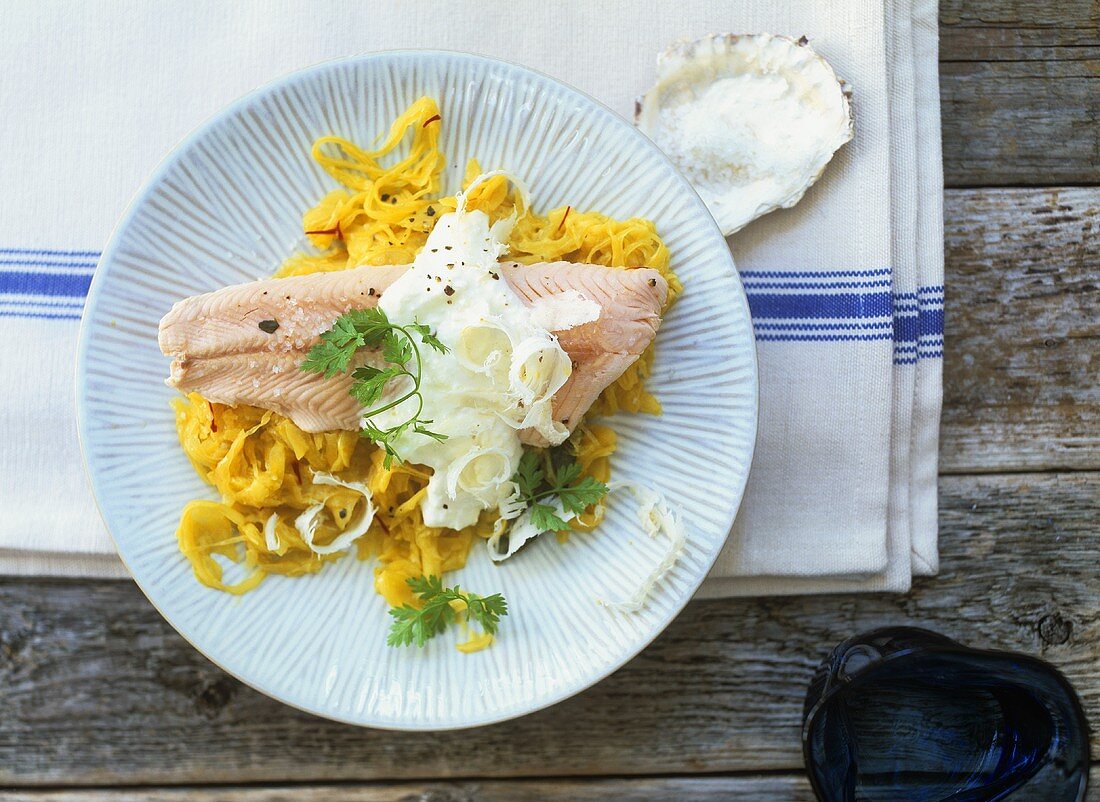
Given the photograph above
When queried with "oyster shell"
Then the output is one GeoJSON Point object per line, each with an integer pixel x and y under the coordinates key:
{"type": "Point", "coordinates": [751, 120]}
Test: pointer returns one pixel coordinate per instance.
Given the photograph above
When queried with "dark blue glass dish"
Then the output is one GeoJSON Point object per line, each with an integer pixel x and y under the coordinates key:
{"type": "Point", "coordinates": [904, 714]}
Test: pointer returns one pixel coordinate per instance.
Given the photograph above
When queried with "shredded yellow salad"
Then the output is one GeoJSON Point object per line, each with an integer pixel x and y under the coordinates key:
{"type": "Point", "coordinates": [264, 466]}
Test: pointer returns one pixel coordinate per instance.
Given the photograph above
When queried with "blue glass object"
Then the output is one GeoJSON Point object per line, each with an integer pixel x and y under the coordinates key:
{"type": "Point", "coordinates": [906, 715]}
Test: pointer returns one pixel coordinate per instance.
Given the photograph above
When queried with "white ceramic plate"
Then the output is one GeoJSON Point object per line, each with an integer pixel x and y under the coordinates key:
{"type": "Point", "coordinates": [226, 207]}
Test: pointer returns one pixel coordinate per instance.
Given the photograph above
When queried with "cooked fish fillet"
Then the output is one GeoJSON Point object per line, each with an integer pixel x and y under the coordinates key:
{"type": "Point", "coordinates": [226, 347]}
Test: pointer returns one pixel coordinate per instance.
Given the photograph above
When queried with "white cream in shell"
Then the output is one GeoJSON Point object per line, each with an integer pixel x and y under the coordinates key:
{"type": "Point", "coordinates": [751, 120]}
{"type": "Point", "coordinates": [498, 376]}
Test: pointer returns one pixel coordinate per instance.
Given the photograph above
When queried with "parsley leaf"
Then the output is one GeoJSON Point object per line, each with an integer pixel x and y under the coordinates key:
{"type": "Point", "coordinates": [396, 348]}
{"type": "Point", "coordinates": [487, 610]}
{"type": "Point", "coordinates": [369, 325]}
{"type": "Point", "coordinates": [427, 337]}
{"type": "Point", "coordinates": [384, 438]}
{"type": "Point", "coordinates": [412, 625]}
{"type": "Point", "coordinates": [355, 329]}
{"type": "Point", "coordinates": [546, 519]}
{"type": "Point", "coordinates": [537, 488]}
{"type": "Point", "coordinates": [371, 328]}
{"type": "Point", "coordinates": [370, 382]}
{"type": "Point", "coordinates": [530, 473]}
{"type": "Point", "coordinates": [425, 585]}
{"type": "Point", "coordinates": [580, 496]}
{"type": "Point", "coordinates": [567, 474]}
{"type": "Point", "coordinates": [419, 428]}
{"type": "Point", "coordinates": [328, 358]}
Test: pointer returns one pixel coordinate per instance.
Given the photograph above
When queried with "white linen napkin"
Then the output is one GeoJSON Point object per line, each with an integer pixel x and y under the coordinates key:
{"type": "Point", "coordinates": [924, 444]}
{"type": "Point", "coordinates": [96, 94]}
{"type": "Point", "coordinates": [916, 198]}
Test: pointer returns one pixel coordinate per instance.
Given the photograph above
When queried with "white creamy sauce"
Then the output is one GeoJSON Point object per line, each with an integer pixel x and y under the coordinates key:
{"type": "Point", "coordinates": [499, 375]}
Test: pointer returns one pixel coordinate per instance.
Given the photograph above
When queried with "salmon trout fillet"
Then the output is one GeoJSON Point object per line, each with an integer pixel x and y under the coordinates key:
{"type": "Point", "coordinates": [244, 344]}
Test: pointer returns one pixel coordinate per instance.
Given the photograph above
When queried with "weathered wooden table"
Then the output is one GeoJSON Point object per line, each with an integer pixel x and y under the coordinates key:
{"type": "Point", "coordinates": [98, 693]}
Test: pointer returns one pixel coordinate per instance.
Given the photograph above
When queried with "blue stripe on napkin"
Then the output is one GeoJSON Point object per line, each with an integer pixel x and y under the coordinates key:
{"type": "Point", "coordinates": [855, 306]}
{"type": "Point", "coordinates": [796, 306]}
{"type": "Point", "coordinates": [26, 282]}
{"type": "Point", "coordinates": [845, 306]}
{"type": "Point", "coordinates": [45, 283]}
{"type": "Point", "coordinates": [20, 252]}
{"type": "Point", "coordinates": [40, 315]}
{"type": "Point", "coordinates": [918, 319]}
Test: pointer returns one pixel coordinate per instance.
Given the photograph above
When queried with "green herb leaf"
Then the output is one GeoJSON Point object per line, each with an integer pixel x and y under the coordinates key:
{"type": "Point", "coordinates": [417, 626]}
{"type": "Point", "coordinates": [575, 493]}
{"type": "Point", "coordinates": [487, 610]}
{"type": "Point", "coordinates": [351, 331]}
{"type": "Point", "coordinates": [384, 438]}
{"type": "Point", "coordinates": [411, 625]}
{"type": "Point", "coordinates": [546, 519]}
{"type": "Point", "coordinates": [582, 495]}
{"type": "Point", "coordinates": [370, 328]}
{"type": "Point", "coordinates": [369, 325]}
{"type": "Point", "coordinates": [420, 429]}
{"type": "Point", "coordinates": [370, 382]}
{"type": "Point", "coordinates": [425, 585]}
{"type": "Point", "coordinates": [397, 349]}
{"type": "Point", "coordinates": [427, 337]}
{"type": "Point", "coordinates": [343, 334]}
{"type": "Point", "coordinates": [406, 628]}
{"type": "Point", "coordinates": [328, 358]}
{"type": "Point", "coordinates": [530, 473]}
{"type": "Point", "coordinates": [567, 474]}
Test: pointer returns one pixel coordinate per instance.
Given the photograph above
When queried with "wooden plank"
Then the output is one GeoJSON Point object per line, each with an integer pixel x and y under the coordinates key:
{"type": "Point", "coordinates": [96, 689]}
{"type": "Point", "coordinates": [682, 789]}
{"type": "Point", "coordinates": [1020, 89]}
{"type": "Point", "coordinates": [1022, 357]}
{"type": "Point", "coordinates": [791, 788]}
{"type": "Point", "coordinates": [780, 788]}
{"type": "Point", "coordinates": [995, 30]}
{"type": "Point", "coordinates": [783, 788]}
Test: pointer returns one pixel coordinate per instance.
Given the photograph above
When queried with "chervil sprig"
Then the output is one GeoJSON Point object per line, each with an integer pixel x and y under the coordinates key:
{"type": "Point", "coordinates": [575, 493]}
{"type": "Point", "coordinates": [417, 625]}
{"type": "Point", "coordinates": [370, 328]}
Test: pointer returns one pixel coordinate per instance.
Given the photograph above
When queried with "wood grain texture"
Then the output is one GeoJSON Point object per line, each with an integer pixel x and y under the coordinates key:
{"type": "Point", "coordinates": [1020, 92]}
{"type": "Point", "coordinates": [681, 789]}
{"type": "Point", "coordinates": [96, 689]}
{"type": "Point", "coordinates": [1022, 353]}
{"type": "Point", "coordinates": [785, 788]}
{"type": "Point", "coordinates": [996, 30]}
